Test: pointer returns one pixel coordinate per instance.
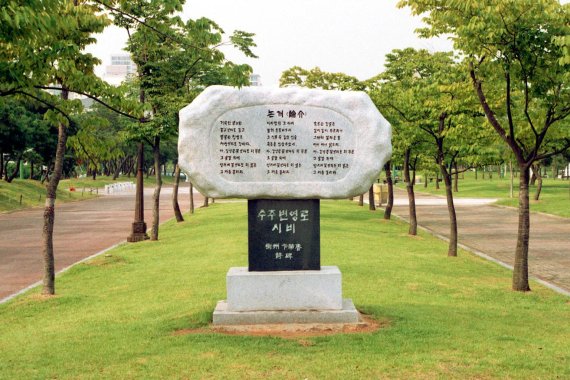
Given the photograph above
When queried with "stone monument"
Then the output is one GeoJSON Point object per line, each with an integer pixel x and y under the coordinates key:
{"type": "Point", "coordinates": [283, 150]}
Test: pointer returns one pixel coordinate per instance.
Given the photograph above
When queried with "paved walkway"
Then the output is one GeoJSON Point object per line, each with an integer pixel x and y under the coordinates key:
{"type": "Point", "coordinates": [81, 230]}
{"type": "Point", "coordinates": [493, 231]}
{"type": "Point", "coordinates": [80, 227]}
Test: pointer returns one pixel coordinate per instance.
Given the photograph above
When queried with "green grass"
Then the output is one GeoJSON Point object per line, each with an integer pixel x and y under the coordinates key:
{"type": "Point", "coordinates": [116, 316]}
{"type": "Point", "coordinates": [33, 194]}
{"type": "Point", "coordinates": [554, 198]}
{"type": "Point", "coordinates": [101, 181]}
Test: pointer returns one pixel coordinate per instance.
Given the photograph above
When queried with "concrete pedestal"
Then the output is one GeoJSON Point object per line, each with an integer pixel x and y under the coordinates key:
{"type": "Point", "coordinates": [223, 316]}
{"type": "Point", "coordinates": [284, 297]}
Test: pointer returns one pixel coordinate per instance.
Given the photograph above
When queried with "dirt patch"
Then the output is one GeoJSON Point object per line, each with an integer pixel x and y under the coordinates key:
{"type": "Point", "coordinates": [106, 260]}
{"type": "Point", "coordinates": [294, 330]}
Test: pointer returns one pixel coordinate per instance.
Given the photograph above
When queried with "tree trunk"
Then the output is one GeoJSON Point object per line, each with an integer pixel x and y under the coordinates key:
{"type": "Point", "coordinates": [10, 177]}
{"type": "Point", "coordinates": [175, 205]}
{"type": "Point", "coordinates": [157, 188]}
{"type": "Point", "coordinates": [49, 210]}
{"type": "Point", "coordinates": [205, 202]}
{"type": "Point", "coordinates": [361, 200]}
{"type": "Point", "coordinates": [452, 251]}
{"type": "Point", "coordinates": [132, 169]}
{"type": "Point", "coordinates": [455, 179]}
{"type": "Point", "coordinates": [437, 181]}
{"type": "Point", "coordinates": [390, 203]}
{"type": "Point", "coordinates": [45, 175]}
{"type": "Point", "coordinates": [1, 165]}
{"type": "Point", "coordinates": [191, 198]}
{"type": "Point", "coordinates": [520, 271]}
{"type": "Point", "coordinates": [425, 180]}
{"type": "Point", "coordinates": [538, 182]}
{"type": "Point", "coordinates": [413, 230]}
{"type": "Point", "coordinates": [118, 168]}
{"type": "Point", "coordinates": [512, 178]}
{"type": "Point", "coordinates": [475, 173]}
{"type": "Point", "coordinates": [31, 169]}
{"type": "Point", "coordinates": [371, 205]}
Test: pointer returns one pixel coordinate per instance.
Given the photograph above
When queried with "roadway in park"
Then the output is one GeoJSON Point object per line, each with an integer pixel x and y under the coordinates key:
{"type": "Point", "coordinates": [489, 230]}
{"type": "Point", "coordinates": [88, 227]}
{"type": "Point", "coordinates": [82, 229]}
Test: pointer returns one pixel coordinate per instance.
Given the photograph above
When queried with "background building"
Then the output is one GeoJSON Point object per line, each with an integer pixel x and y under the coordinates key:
{"type": "Point", "coordinates": [121, 66]}
{"type": "Point", "coordinates": [255, 80]}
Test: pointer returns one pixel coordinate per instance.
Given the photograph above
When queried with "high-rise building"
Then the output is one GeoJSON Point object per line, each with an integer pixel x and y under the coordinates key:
{"type": "Point", "coordinates": [255, 80]}
{"type": "Point", "coordinates": [121, 66]}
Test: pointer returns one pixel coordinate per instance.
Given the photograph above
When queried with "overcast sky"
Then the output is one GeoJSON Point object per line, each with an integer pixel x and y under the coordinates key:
{"type": "Point", "coordinates": [337, 35]}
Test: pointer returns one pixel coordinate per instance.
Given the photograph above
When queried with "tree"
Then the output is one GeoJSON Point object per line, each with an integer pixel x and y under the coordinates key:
{"type": "Point", "coordinates": [316, 78]}
{"type": "Point", "coordinates": [24, 134]}
{"type": "Point", "coordinates": [41, 48]}
{"type": "Point", "coordinates": [394, 95]}
{"type": "Point", "coordinates": [175, 61]}
{"type": "Point", "coordinates": [99, 138]}
{"type": "Point", "coordinates": [425, 99]}
{"type": "Point", "coordinates": [518, 64]}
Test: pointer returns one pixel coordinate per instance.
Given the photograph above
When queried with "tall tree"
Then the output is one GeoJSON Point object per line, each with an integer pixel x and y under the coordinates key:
{"type": "Point", "coordinates": [41, 48]}
{"type": "Point", "coordinates": [394, 94]}
{"type": "Point", "coordinates": [175, 61]}
{"type": "Point", "coordinates": [518, 64]}
{"type": "Point", "coordinates": [425, 98]}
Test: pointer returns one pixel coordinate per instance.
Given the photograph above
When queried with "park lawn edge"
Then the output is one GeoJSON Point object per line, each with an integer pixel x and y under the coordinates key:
{"type": "Point", "coordinates": [8, 203]}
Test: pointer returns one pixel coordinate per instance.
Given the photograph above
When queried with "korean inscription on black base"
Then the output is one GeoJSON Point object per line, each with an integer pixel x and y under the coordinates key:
{"type": "Point", "coordinates": [284, 235]}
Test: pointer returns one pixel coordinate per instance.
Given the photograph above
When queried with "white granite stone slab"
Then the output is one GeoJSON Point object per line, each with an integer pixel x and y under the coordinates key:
{"type": "Point", "coordinates": [284, 290]}
{"type": "Point", "coordinates": [258, 143]}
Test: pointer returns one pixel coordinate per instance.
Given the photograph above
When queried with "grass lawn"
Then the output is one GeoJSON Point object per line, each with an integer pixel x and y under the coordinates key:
{"type": "Point", "coordinates": [117, 316]}
{"type": "Point", "coordinates": [34, 193]}
{"type": "Point", "coordinates": [554, 198]}
{"type": "Point", "coordinates": [101, 181]}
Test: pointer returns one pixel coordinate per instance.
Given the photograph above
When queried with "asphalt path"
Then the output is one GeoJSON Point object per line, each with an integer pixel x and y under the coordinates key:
{"type": "Point", "coordinates": [81, 229]}
{"type": "Point", "coordinates": [492, 230]}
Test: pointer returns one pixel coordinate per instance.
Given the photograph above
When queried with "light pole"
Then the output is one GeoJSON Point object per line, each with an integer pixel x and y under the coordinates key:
{"type": "Point", "coordinates": [138, 231]}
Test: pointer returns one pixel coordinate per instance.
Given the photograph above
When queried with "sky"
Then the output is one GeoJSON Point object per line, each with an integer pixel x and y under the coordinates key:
{"type": "Point", "coordinates": [352, 37]}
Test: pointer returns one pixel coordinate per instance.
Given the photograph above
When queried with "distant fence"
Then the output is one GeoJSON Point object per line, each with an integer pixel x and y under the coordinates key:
{"type": "Point", "coordinates": [119, 187]}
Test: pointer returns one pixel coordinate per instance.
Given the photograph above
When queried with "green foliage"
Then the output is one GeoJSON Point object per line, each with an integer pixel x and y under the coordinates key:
{"type": "Point", "coordinates": [99, 137]}
{"type": "Point", "coordinates": [430, 105]}
{"type": "Point", "coordinates": [515, 51]}
{"type": "Point", "coordinates": [175, 61]}
{"type": "Point", "coordinates": [123, 314]}
{"type": "Point", "coordinates": [24, 132]}
{"type": "Point", "coordinates": [244, 42]}
{"type": "Point", "coordinates": [316, 78]}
